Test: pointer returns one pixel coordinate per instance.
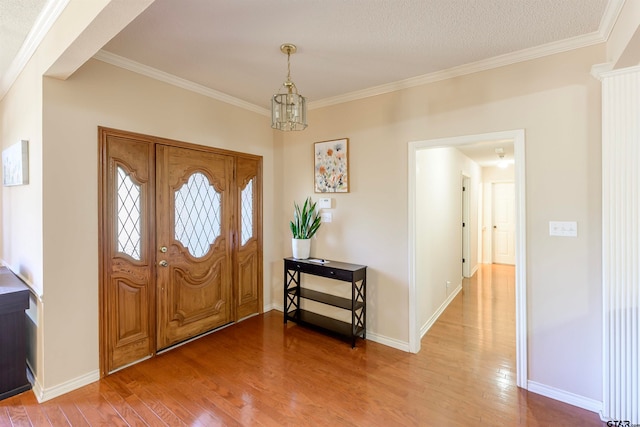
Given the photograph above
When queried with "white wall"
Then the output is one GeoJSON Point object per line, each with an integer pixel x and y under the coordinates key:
{"type": "Point", "coordinates": [624, 36]}
{"type": "Point", "coordinates": [557, 102]}
{"type": "Point", "coordinates": [21, 111]}
{"type": "Point", "coordinates": [21, 118]}
{"type": "Point", "coordinates": [438, 226]}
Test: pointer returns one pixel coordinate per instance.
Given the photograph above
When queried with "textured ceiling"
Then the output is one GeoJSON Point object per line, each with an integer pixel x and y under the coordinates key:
{"type": "Point", "coordinates": [16, 20]}
{"type": "Point", "coordinates": [343, 45]}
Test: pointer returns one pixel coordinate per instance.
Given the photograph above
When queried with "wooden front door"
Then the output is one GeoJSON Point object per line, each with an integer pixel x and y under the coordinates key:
{"type": "Point", "coordinates": [193, 217]}
{"type": "Point", "coordinates": [127, 284]}
{"type": "Point", "coordinates": [180, 243]}
{"type": "Point", "coordinates": [248, 262]}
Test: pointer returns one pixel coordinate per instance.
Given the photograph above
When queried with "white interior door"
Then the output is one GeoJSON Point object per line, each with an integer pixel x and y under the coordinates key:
{"type": "Point", "coordinates": [466, 227]}
{"type": "Point", "coordinates": [504, 223]}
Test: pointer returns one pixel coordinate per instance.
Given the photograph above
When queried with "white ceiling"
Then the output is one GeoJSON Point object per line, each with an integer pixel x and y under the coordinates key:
{"type": "Point", "coordinates": [346, 48]}
{"type": "Point", "coordinates": [17, 17]}
{"type": "Point", "coordinates": [484, 153]}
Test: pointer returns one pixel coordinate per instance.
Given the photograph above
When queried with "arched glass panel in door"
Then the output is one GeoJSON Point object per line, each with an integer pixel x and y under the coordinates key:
{"type": "Point", "coordinates": [129, 215]}
{"type": "Point", "coordinates": [246, 213]}
{"type": "Point", "coordinates": [198, 212]}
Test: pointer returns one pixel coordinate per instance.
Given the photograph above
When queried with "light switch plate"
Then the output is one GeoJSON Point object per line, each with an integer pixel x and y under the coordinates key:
{"type": "Point", "coordinates": [563, 228]}
{"type": "Point", "coordinates": [326, 217]}
{"type": "Point", "coordinates": [324, 203]}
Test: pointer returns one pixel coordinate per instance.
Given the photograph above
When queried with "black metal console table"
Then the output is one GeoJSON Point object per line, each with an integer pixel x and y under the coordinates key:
{"type": "Point", "coordinates": [293, 292]}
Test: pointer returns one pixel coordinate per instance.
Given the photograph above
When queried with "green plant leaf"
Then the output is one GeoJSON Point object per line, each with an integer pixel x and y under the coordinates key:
{"type": "Point", "coordinates": [306, 221]}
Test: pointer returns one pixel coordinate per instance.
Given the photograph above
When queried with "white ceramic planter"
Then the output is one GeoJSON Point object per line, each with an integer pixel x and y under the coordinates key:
{"type": "Point", "coordinates": [301, 248]}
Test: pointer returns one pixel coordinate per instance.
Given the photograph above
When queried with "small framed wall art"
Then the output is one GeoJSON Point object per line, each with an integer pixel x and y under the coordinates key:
{"type": "Point", "coordinates": [15, 164]}
{"type": "Point", "coordinates": [331, 166]}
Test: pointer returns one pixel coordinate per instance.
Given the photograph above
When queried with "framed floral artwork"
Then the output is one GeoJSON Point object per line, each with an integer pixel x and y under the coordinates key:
{"type": "Point", "coordinates": [331, 166]}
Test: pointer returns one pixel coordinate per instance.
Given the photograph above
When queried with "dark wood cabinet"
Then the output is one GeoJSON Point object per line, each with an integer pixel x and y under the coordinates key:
{"type": "Point", "coordinates": [355, 274]}
{"type": "Point", "coordinates": [14, 300]}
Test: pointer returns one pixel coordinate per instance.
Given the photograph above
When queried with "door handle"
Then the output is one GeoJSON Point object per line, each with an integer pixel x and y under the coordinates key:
{"type": "Point", "coordinates": [163, 263]}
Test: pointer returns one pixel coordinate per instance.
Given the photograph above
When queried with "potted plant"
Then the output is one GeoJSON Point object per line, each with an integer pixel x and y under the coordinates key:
{"type": "Point", "coordinates": [305, 224]}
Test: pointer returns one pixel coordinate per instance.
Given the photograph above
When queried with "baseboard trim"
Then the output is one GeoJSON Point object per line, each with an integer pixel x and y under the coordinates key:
{"type": "Point", "coordinates": [474, 270]}
{"type": "Point", "coordinates": [38, 390]}
{"type": "Point", "coordinates": [565, 396]}
{"type": "Point", "coordinates": [425, 328]}
{"type": "Point", "coordinates": [44, 394]}
{"type": "Point", "coordinates": [269, 307]}
{"type": "Point", "coordinates": [380, 339]}
{"type": "Point", "coordinates": [389, 342]}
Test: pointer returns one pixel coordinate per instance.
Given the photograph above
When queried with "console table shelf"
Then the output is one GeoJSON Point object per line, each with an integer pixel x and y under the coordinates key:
{"type": "Point", "coordinates": [355, 274]}
{"type": "Point", "coordinates": [327, 299]}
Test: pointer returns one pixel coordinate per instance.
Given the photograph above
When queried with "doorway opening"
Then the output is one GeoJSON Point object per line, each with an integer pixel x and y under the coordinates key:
{"type": "Point", "coordinates": [416, 178]}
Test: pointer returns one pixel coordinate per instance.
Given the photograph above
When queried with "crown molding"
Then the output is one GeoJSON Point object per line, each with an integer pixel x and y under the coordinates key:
{"type": "Point", "coordinates": [609, 18]}
{"type": "Point", "coordinates": [606, 70]}
{"type": "Point", "coordinates": [607, 23]}
{"type": "Point", "coordinates": [473, 67]}
{"type": "Point", "coordinates": [154, 73]}
{"type": "Point", "coordinates": [599, 70]}
{"type": "Point", "coordinates": [45, 20]}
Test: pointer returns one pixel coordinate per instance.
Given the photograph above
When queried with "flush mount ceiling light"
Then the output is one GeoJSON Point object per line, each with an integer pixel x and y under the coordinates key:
{"type": "Point", "coordinates": [502, 163]}
{"type": "Point", "coordinates": [288, 109]}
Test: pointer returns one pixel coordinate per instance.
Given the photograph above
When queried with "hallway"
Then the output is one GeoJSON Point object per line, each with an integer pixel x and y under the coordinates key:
{"type": "Point", "coordinates": [472, 347]}
{"type": "Point", "coordinates": [473, 342]}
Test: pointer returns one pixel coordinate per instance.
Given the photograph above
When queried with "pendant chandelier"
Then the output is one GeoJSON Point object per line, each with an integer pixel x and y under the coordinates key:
{"type": "Point", "coordinates": [288, 109]}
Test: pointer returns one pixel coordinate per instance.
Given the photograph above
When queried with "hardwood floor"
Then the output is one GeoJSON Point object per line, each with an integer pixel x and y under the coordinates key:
{"type": "Point", "coordinates": [261, 372]}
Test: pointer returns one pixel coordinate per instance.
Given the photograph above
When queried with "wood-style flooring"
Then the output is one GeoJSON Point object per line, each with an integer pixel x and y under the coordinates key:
{"type": "Point", "coordinates": [261, 372]}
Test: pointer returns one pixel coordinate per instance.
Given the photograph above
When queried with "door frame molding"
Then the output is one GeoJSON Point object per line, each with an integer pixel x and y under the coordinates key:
{"type": "Point", "coordinates": [103, 218]}
{"type": "Point", "coordinates": [518, 137]}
